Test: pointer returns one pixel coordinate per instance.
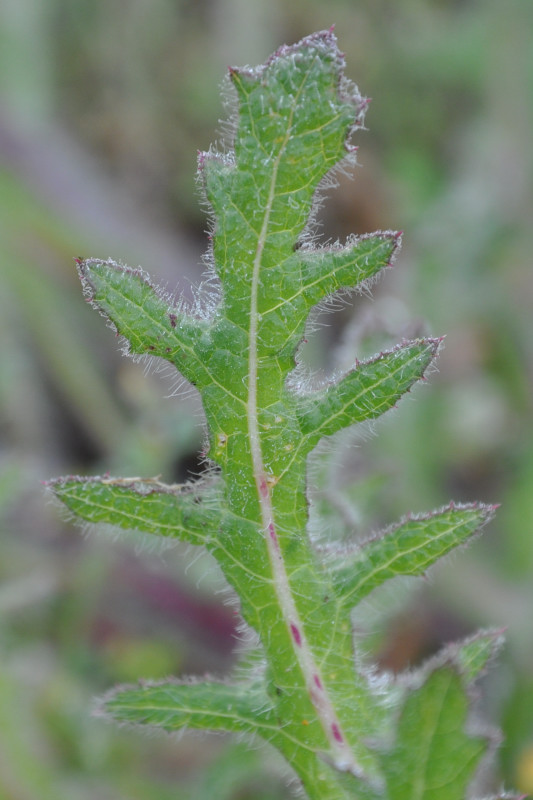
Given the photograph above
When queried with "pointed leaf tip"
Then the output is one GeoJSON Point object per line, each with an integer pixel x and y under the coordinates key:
{"type": "Point", "coordinates": [174, 705]}
{"type": "Point", "coordinates": [409, 548]}
{"type": "Point", "coordinates": [435, 754]}
{"type": "Point", "coordinates": [367, 392]}
{"type": "Point", "coordinates": [470, 657]}
{"type": "Point", "coordinates": [475, 653]}
{"type": "Point", "coordinates": [187, 513]}
{"type": "Point", "coordinates": [140, 312]}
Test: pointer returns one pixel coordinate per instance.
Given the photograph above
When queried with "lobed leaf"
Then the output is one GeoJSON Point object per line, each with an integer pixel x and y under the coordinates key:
{"type": "Point", "coordinates": [433, 757]}
{"type": "Point", "coordinates": [187, 513]}
{"type": "Point", "coordinates": [295, 116]}
{"type": "Point", "coordinates": [174, 705]}
{"type": "Point", "coordinates": [326, 270]}
{"type": "Point", "coordinates": [314, 702]}
{"type": "Point", "coordinates": [407, 549]}
{"type": "Point", "coordinates": [366, 392]}
{"type": "Point", "coordinates": [142, 315]}
{"type": "Point", "coordinates": [309, 275]}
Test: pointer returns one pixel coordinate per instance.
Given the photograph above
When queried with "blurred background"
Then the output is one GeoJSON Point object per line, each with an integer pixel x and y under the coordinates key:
{"type": "Point", "coordinates": [103, 106]}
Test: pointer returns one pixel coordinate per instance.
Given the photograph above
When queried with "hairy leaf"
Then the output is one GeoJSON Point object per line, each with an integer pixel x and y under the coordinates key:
{"type": "Point", "coordinates": [433, 758]}
{"type": "Point", "coordinates": [186, 513]}
{"type": "Point", "coordinates": [366, 392]}
{"type": "Point", "coordinates": [407, 549]}
{"type": "Point", "coordinates": [172, 706]}
{"type": "Point", "coordinates": [346, 731]}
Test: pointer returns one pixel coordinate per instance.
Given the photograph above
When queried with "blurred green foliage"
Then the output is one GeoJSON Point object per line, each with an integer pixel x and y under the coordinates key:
{"type": "Point", "coordinates": [104, 105]}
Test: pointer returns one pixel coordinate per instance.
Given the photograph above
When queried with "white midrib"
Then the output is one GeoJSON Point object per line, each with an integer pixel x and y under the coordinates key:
{"type": "Point", "coordinates": [341, 755]}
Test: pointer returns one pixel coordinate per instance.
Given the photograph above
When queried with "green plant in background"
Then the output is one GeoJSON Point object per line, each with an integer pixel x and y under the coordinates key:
{"type": "Point", "coordinates": [301, 684]}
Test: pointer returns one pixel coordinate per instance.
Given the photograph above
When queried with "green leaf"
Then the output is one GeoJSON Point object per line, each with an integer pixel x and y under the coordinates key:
{"type": "Point", "coordinates": [328, 269]}
{"type": "Point", "coordinates": [433, 758]}
{"type": "Point", "coordinates": [294, 120]}
{"type": "Point", "coordinates": [409, 548]}
{"type": "Point", "coordinates": [185, 512]}
{"type": "Point", "coordinates": [474, 653]}
{"type": "Point", "coordinates": [469, 657]}
{"type": "Point", "coordinates": [322, 272]}
{"type": "Point", "coordinates": [141, 313]}
{"type": "Point", "coordinates": [368, 391]}
{"type": "Point", "coordinates": [172, 705]}
{"type": "Point", "coordinates": [314, 701]}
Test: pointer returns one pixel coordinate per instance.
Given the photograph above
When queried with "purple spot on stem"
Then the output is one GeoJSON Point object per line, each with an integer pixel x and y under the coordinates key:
{"type": "Point", "coordinates": [336, 732]}
{"type": "Point", "coordinates": [296, 635]}
{"type": "Point", "coordinates": [263, 487]}
{"type": "Point", "coordinates": [273, 536]}
{"type": "Point", "coordinates": [318, 682]}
